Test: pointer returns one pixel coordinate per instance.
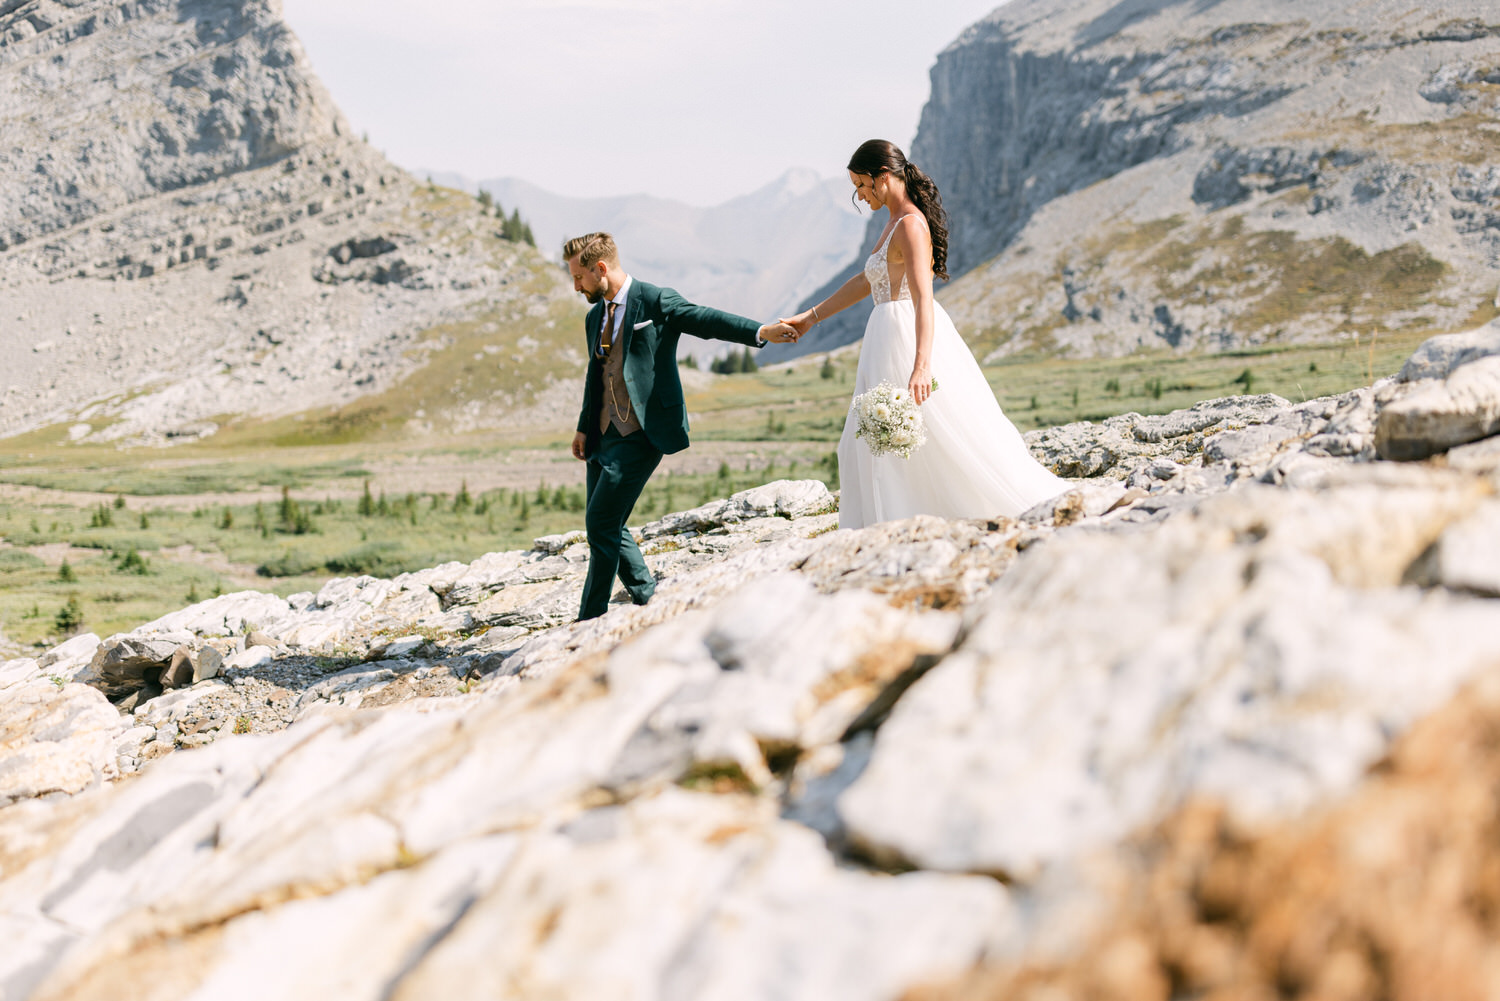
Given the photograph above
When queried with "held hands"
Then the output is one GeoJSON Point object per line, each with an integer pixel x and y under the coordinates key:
{"type": "Point", "coordinates": [778, 333]}
{"type": "Point", "coordinates": [802, 322]}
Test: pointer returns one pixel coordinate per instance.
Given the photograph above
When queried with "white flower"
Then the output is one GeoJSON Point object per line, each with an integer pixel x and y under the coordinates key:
{"type": "Point", "coordinates": [888, 420]}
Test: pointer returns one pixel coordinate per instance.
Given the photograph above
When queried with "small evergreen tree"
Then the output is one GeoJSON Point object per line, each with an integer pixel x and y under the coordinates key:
{"type": "Point", "coordinates": [461, 500]}
{"type": "Point", "coordinates": [227, 521]}
{"type": "Point", "coordinates": [747, 362]}
{"type": "Point", "coordinates": [135, 563]}
{"type": "Point", "coordinates": [366, 502]}
{"type": "Point", "coordinates": [827, 371]}
{"type": "Point", "coordinates": [65, 572]}
{"type": "Point", "coordinates": [70, 616]}
{"type": "Point", "coordinates": [689, 361]}
{"type": "Point", "coordinates": [119, 501]}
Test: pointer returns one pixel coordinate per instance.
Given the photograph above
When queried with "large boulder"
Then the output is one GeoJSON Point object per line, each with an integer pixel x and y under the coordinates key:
{"type": "Point", "coordinates": [1464, 407]}
{"type": "Point", "coordinates": [1438, 357]}
{"type": "Point", "coordinates": [128, 662]}
{"type": "Point", "coordinates": [55, 739]}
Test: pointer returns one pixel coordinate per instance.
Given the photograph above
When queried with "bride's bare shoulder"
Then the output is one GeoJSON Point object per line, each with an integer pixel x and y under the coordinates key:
{"type": "Point", "coordinates": [910, 234]}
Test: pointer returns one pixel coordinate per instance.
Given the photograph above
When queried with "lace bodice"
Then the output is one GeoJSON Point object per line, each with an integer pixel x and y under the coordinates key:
{"type": "Point", "coordinates": [878, 272]}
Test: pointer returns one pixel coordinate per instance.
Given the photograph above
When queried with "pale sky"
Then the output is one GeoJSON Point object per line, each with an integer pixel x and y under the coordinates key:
{"type": "Point", "coordinates": [703, 100]}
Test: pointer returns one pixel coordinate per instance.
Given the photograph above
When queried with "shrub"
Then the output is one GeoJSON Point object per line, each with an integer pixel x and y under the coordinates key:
{"type": "Point", "coordinates": [65, 572]}
{"type": "Point", "coordinates": [289, 564]}
{"type": "Point", "coordinates": [379, 559]}
{"type": "Point", "coordinates": [827, 371]}
{"type": "Point", "coordinates": [12, 560]}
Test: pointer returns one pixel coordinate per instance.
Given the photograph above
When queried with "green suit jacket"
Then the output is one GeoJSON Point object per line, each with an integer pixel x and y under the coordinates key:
{"type": "Point", "coordinates": [654, 319]}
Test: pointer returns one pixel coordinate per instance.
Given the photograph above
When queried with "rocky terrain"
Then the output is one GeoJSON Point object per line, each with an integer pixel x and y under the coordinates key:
{"type": "Point", "coordinates": [1221, 716]}
{"type": "Point", "coordinates": [188, 230]}
{"type": "Point", "coordinates": [1164, 174]}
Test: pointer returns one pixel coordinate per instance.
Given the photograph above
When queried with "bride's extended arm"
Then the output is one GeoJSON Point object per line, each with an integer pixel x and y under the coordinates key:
{"type": "Point", "coordinates": [849, 293]}
{"type": "Point", "coordinates": [914, 244]}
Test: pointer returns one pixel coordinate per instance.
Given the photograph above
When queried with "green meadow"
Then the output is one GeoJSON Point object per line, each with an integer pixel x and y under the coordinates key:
{"type": "Point", "coordinates": [103, 538]}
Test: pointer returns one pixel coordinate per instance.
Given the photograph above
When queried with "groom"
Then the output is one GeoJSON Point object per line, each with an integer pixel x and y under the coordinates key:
{"type": "Point", "coordinates": [633, 411]}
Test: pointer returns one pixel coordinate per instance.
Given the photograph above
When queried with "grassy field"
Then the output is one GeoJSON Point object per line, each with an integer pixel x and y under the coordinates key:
{"type": "Point", "coordinates": [282, 506]}
{"type": "Point", "coordinates": [123, 562]}
{"type": "Point", "coordinates": [806, 401]}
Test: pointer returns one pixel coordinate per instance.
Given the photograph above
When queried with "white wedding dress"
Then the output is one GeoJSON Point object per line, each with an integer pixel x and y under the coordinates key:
{"type": "Point", "coordinates": [974, 464]}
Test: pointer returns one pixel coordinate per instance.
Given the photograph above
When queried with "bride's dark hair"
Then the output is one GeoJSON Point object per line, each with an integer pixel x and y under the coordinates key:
{"type": "Point", "coordinates": [875, 157]}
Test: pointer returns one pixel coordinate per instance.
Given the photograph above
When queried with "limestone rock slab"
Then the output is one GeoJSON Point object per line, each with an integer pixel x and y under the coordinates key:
{"type": "Point", "coordinates": [1435, 417]}
{"type": "Point", "coordinates": [683, 896]}
{"type": "Point", "coordinates": [55, 738]}
{"type": "Point", "coordinates": [1237, 653]}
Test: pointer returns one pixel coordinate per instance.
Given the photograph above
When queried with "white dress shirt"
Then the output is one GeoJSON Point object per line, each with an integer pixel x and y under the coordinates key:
{"type": "Point", "coordinates": [619, 300]}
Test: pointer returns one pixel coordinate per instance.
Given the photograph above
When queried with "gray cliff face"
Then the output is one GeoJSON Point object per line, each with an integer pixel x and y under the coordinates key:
{"type": "Point", "coordinates": [1158, 174]}
{"type": "Point", "coordinates": [188, 230]}
{"type": "Point", "coordinates": [137, 99]}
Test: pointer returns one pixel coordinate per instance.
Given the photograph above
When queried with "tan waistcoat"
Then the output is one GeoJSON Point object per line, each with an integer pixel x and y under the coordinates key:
{"type": "Point", "coordinates": [616, 409]}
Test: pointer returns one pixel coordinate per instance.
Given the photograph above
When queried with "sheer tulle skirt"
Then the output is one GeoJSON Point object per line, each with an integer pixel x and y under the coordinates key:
{"type": "Point", "coordinates": [975, 463]}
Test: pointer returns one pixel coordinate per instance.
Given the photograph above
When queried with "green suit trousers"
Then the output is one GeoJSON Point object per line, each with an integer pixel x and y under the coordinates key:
{"type": "Point", "coordinates": [617, 473]}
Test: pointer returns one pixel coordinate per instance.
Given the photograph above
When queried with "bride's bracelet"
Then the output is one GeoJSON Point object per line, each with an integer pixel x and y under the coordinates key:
{"type": "Point", "coordinates": [815, 315]}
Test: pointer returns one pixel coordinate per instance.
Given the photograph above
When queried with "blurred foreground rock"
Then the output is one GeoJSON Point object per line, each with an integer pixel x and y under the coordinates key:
{"type": "Point", "coordinates": [799, 771]}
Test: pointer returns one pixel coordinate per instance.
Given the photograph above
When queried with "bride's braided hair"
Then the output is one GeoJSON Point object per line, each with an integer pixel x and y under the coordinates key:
{"type": "Point", "coordinates": [876, 157]}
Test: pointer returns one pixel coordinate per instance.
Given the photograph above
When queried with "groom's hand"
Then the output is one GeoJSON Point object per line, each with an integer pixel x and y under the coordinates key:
{"type": "Point", "coordinates": [579, 441]}
{"type": "Point", "coordinates": [779, 333]}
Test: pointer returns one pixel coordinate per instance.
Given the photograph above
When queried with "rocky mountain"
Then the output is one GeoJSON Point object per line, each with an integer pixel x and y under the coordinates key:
{"type": "Point", "coordinates": [758, 255]}
{"type": "Point", "coordinates": [188, 230]}
{"type": "Point", "coordinates": [1217, 722]}
{"type": "Point", "coordinates": [1174, 174]}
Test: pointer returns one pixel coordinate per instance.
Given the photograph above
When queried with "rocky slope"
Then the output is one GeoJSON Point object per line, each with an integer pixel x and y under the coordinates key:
{"type": "Point", "coordinates": [187, 229]}
{"type": "Point", "coordinates": [1166, 174]}
{"type": "Point", "coordinates": [1071, 751]}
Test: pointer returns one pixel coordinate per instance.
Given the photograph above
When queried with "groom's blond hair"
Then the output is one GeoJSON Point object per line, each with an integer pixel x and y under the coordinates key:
{"type": "Point", "coordinates": [592, 248]}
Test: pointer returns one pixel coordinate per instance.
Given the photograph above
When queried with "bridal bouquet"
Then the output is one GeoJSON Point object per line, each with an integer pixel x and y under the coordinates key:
{"type": "Point", "coordinates": [889, 420]}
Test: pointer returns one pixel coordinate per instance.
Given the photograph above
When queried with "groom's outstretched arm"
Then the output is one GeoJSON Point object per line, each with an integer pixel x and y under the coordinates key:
{"type": "Point", "coordinates": [684, 317]}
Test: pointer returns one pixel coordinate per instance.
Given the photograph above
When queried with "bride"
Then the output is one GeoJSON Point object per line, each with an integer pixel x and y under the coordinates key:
{"type": "Point", "coordinates": [975, 463]}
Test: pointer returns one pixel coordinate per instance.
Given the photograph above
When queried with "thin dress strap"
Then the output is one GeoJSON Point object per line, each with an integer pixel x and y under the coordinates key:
{"type": "Point", "coordinates": [886, 242]}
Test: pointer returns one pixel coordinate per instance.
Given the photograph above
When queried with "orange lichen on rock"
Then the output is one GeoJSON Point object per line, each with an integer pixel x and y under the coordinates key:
{"type": "Point", "coordinates": [1393, 894]}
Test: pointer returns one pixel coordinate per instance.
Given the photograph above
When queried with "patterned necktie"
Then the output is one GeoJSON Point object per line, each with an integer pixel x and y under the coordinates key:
{"type": "Point", "coordinates": [607, 331]}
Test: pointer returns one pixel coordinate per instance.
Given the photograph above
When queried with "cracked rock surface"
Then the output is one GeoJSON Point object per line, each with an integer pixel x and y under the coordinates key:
{"type": "Point", "coordinates": [819, 764]}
